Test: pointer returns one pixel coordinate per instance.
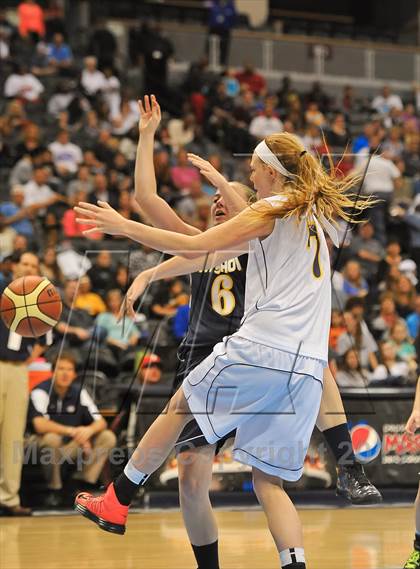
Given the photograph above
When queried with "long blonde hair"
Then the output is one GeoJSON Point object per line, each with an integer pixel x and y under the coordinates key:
{"type": "Point", "coordinates": [312, 186]}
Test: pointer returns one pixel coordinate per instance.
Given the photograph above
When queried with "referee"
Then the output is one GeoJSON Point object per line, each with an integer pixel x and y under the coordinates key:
{"type": "Point", "coordinates": [16, 353]}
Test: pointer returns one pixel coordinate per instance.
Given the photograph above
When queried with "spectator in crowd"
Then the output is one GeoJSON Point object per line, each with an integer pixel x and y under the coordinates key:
{"type": "Point", "coordinates": [16, 353]}
{"type": "Point", "coordinates": [102, 273]}
{"type": "Point", "coordinates": [402, 343]}
{"type": "Point", "coordinates": [31, 18]}
{"type": "Point", "coordinates": [318, 95]}
{"type": "Point", "coordinates": [69, 428]}
{"type": "Point", "coordinates": [232, 85]}
{"type": "Point", "coordinates": [183, 174]}
{"type": "Point", "coordinates": [72, 228]}
{"type": "Point", "coordinates": [338, 135]}
{"type": "Point", "coordinates": [4, 46]}
{"type": "Point", "coordinates": [314, 116]}
{"type": "Point", "coordinates": [66, 155]}
{"type": "Point", "coordinates": [267, 123]}
{"type": "Point", "coordinates": [222, 15]}
{"type": "Point", "coordinates": [38, 193]}
{"type": "Point", "coordinates": [390, 367]}
{"type": "Point", "coordinates": [381, 178]}
{"type": "Point", "coordinates": [391, 259]}
{"type": "Point", "coordinates": [7, 237]}
{"type": "Point", "coordinates": [92, 80]}
{"type": "Point", "coordinates": [101, 191]}
{"type": "Point", "coordinates": [337, 328]}
{"type": "Point", "coordinates": [88, 300]}
{"type": "Point", "coordinates": [312, 139]}
{"type": "Point", "coordinates": [386, 101]}
{"type": "Point", "coordinates": [23, 84]}
{"type": "Point", "coordinates": [360, 339]}
{"type": "Point", "coordinates": [126, 117]}
{"type": "Point", "coordinates": [387, 317]}
{"type": "Point", "coordinates": [22, 171]}
{"type": "Point", "coordinates": [122, 335]}
{"type": "Point", "coordinates": [75, 327]}
{"type": "Point", "coordinates": [167, 298]}
{"type": "Point", "coordinates": [82, 182]}
{"type": "Point", "coordinates": [413, 319]}
{"type": "Point", "coordinates": [150, 369]}
{"type": "Point", "coordinates": [350, 373]}
{"type": "Point", "coordinates": [367, 250]}
{"type": "Point", "coordinates": [31, 144]}
{"type": "Point", "coordinates": [49, 267]}
{"type": "Point", "coordinates": [181, 131]}
{"type": "Point", "coordinates": [353, 283]}
{"type": "Point", "coordinates": [252, 79]}
{"type": "Point", "coordinates": [112, 91]}
{"type": "Point", "coordinates": [62, 98]}
{"type": "Point", "coordinates": [60, 56]}
{"type": "Point", "coordinates": [412, 218]}
{"type": "Point", "coordinates": [404, 296]}
{"type": "Point", "coordinates": [15, 215]}
{"type": "Point", "coordinates": [393, 146]}
{"type": "Point", "coordinates": [181, 318]}
{"type": "Point", "coordinates": [156, 51]}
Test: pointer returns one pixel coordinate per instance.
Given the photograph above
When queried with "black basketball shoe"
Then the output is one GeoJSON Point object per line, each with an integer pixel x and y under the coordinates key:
{"type": "Point", "coordinates": [354, 485]}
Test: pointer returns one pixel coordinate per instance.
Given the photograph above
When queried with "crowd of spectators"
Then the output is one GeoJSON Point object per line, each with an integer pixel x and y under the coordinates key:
{"type": "Point", "coordinates": [68, 132]}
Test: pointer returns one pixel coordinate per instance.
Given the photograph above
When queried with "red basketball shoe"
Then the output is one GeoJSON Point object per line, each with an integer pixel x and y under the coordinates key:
{"type": "Point", "coordinates": [105, 510]}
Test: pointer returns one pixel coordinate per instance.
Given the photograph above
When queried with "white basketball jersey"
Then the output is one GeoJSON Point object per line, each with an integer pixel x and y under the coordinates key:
{"type": "Point", "coordinates": [288, 289]}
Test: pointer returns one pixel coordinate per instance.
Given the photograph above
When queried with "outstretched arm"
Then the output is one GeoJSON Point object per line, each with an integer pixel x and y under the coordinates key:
{"type": "Point", "coordinates": [234, 202]}
{"type": "Point", "coordinates": [153, 206]}
{"type": "Point", "coordinates": [242, 228]}
{"type": "Point", "coordinates": [174, 267]}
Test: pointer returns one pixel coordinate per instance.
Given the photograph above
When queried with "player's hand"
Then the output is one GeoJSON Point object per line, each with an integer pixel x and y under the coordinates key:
{"type": "Point", "coordinates": [136, 289]}
{"type": "Point", "coordinates": [413, 422]}
{"type": "Point", "coordinates": [102, 217]}
{"type": "Point", "coordinates": [207, 170]}
{"type": "Point", "coordinates": [150, 115]}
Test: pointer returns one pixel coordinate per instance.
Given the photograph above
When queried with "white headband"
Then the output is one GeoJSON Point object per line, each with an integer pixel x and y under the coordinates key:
{"type": "Point", "coordinates": [267, 156]}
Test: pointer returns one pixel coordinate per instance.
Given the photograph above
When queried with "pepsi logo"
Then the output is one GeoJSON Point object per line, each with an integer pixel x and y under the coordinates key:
{"type": "Point", "coordinates": [366, 442]}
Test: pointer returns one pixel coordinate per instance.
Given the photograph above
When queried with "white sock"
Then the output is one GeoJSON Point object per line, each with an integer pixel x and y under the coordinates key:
{"type": "Point", "coordinates": [292, 555]}
{"type": "Point", "coordinates": [135, 475]}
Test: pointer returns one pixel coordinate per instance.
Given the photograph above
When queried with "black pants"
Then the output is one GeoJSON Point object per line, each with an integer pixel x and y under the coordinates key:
{"type": "Point", "coordinates": [224, 36]}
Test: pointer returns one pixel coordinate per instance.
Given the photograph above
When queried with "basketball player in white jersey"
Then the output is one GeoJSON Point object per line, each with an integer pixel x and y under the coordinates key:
{"type": "Point", "coordinates": [413, 424]}
{"type": "Point", "coordinates": [265, 380]}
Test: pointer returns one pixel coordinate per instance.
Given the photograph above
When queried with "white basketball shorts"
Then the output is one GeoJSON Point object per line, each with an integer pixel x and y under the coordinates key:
{"type": "Point", "coordinates": [271, 397]}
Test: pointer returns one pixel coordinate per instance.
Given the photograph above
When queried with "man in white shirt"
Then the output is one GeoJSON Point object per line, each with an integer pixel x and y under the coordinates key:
{"type": "Point", "coordinates": [92, 79]}
{"type": "Point", "coordinates": [382, 177]}
{"type": "Point", "coordinates": [37, 191]}
{"type": "Point", "coordinates": [23, 84]}
{"type": "Point", "coordinates": [266, 124]}
{"type": "Point", "coordinates": [66, 155]}
{"type": "Point", "coordinates": [384, 103]}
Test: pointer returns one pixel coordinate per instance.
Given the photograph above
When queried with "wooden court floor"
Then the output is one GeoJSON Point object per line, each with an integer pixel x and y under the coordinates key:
{"type": "Point", "coordinates": [334, 539]}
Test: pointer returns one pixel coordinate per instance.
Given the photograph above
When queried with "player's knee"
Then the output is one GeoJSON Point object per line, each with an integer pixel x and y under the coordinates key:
{"type": "Point", "coordinates": [264, 483]}
{"type": "Point", "coordinates": [192, 485]}
{"type": "Point", "coordinates": [179, 406]}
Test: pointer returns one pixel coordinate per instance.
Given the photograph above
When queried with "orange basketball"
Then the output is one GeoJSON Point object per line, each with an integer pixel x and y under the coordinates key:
{"type": "Point", "coordinates": [30, 306]}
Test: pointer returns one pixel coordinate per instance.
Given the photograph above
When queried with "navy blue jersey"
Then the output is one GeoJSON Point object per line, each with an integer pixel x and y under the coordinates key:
{"type": "Point", "coordinates": [217, 303]}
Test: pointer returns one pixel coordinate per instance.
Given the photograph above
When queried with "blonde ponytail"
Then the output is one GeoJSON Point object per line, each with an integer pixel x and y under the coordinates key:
{"type": "Point", "coordinates": [312, 189]}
